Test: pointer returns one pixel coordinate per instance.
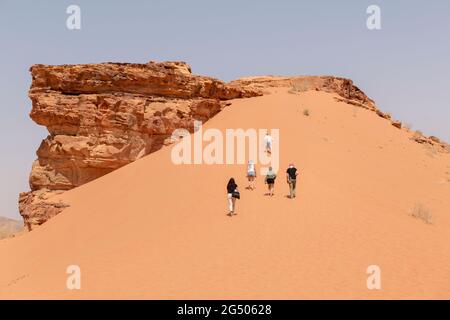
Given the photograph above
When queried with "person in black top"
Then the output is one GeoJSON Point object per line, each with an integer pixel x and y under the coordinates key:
{"type": "Point", "coordinates": [232, 195]}
{"type": "Point", "coordinates": [291, 177]}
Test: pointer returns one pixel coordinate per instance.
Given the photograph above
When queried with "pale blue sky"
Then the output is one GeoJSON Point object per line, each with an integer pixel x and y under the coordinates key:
{"type": "Point", "coordinates": [405, 66]}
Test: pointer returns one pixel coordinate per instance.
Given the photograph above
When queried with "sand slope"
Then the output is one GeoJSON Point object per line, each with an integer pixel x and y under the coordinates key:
{"type": "Point", "coordinates": [156, 230]}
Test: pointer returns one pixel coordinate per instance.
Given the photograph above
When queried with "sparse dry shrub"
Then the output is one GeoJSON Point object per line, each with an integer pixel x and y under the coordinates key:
{"type": "Point", "coordinates": [421, 212]}
{"type": "Point", "coordinates": [299, 86]}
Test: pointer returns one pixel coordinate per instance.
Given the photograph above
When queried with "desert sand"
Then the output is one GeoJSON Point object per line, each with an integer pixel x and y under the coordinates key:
{"type": "Point", "coordinates": [154, 230]}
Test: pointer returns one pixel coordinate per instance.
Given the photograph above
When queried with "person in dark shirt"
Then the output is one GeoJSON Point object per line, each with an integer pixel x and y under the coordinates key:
{"type": "Point", "coordinates": [291, 177]}
{"type": "Point", "coordinates": [232, 191]}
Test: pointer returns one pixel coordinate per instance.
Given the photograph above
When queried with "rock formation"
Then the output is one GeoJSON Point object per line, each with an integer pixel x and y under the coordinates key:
{"type": "Point", "coordinates": [341, 86]}
{"type": "Point", "coordinates": [101, 117]}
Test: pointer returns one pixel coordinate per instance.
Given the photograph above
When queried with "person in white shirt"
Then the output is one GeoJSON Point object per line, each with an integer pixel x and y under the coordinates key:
{"type": "Point", "coordinates": [251, 174]}
{"type": "Point", "coordinates": [268, 143]}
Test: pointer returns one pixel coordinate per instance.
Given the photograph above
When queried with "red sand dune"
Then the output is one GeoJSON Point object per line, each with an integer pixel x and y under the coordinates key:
{"type": "Point", "coordinates": [155, 230]}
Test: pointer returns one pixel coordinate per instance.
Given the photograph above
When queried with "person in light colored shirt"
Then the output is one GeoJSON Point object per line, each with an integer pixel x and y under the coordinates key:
{"type": "Point", "coordinates": [268, 141]}
{"type": "Point", "coordinates": [251, 174]}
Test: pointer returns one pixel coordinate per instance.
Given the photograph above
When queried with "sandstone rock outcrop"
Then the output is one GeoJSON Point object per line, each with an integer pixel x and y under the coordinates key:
{"type": "Point", "coordinates": [341, 86]}
{"type": "Point", "coordinates": [397, 124]}
{"type": "Point", "coordinates": [101, 117]}
{"type": "Point", "coordinates": [36, 207]}
{"type": "Point", "coordinates": [432, 142]}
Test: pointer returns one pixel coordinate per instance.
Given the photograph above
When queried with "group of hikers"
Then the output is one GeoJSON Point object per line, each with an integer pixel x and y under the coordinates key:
{"type": "Point", "coordinates": [233, 192]}
{"type": "Point", "coordinates": [291, 179]}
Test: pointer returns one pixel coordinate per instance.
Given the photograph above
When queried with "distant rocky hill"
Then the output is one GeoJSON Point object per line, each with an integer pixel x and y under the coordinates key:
{"type": "Point", "coordinates": [9, 227]}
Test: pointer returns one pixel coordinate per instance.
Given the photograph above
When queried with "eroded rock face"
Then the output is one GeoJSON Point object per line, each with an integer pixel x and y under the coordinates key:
{"type": "Point", "coordinates": [93, 134]}
{"type": "Point", "coordinates": [341, 86]}
{"type": "Point", "coordinates": [37, 207]}
{"type": "Point", "coordinates": [166, 79]}
{"type": "Point", "coordinates": [431, 142]}
{"type": "Point", "coordinates": [101, 117]}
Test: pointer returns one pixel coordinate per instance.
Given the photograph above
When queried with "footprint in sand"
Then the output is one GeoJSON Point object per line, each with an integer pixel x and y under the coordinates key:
{"type": "Point", "coordinates": [13, 282]}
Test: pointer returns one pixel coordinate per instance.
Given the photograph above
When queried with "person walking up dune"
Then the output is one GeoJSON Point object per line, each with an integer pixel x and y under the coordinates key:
{"type": "Point", "coordinates": [251, 175]}
{"type": "Point", "coordinates": [291, 176]}
{"type": "Point", "coordinates": [232, 195]}
{"type": "Point", "coordinates": [268, 143]}
{"type": "Point", "coordinates": [270, 181]}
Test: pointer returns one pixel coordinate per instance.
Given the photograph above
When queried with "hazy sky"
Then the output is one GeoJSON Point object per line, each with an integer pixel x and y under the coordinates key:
{"type": "Point", "coordinates": [404, 67]}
